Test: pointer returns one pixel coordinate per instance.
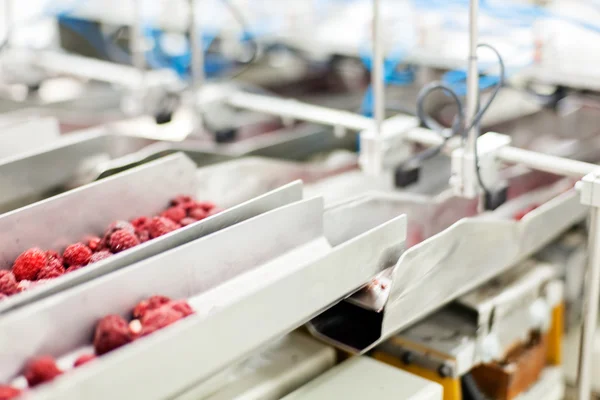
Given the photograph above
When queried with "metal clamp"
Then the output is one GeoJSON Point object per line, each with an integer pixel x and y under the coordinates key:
{"type": "Point", "coordinates": [464, 179]}
{"type": "Point", "coordinates": [589, 189]}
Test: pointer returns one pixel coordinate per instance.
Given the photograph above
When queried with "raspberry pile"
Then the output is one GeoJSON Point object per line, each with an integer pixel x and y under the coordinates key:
{"type": "Point", "coordinates": [35, 266]}
{"type": "Point", "coordinates": [112, 332]}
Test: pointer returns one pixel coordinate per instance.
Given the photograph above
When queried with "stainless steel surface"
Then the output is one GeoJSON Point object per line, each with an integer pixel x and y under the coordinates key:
{"type": "Point", "coordinates": [25, 135]}
{"type": "Point", "coordinates": [279, 257]}
{"type": "Point", "coordinates": [436, 271]}
{"type": "Point", "coordinates": [79, 200]}
{"type": "Point", "coordinates": [590, 310]}
{"type": "Point", "coordinates": [69, 217]}
{"type": "Point", "coordinates": [40, 173]}
{"type": "Point", "coordinates": [69, 316]}
{"type": "Point", "coordinates": [80, 158]}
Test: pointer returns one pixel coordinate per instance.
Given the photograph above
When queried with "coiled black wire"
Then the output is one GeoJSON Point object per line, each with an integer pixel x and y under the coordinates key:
{"type": "Point", "coordinates": [458, 126]}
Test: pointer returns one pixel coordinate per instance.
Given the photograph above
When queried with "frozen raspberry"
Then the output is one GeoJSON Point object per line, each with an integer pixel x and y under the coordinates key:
{"type": "Point", "coordinates": [187, 221]}
{"type": "Point", "coordinates": [181, 199]}
{"type": "Point", "coordinates": [111, 332]}
{"type": "Point", "coordinates": [161, 226]}
{"type": "Point", "coordinates": [24, 285]}
{"type": "Point", "coordinates": [143, 236]}
{"type": "Point", "coordinates": [122, 240]}
{"type": "Point", "coordinates": [77, 254]}
{"type": "Point", "coordinates": [182, 307]}
{"type": "Point", "coordinates": [95, 243]}
{"type": "Point", "coordinates": [99, 256]}
{"type": "Point", "coordinates": [175, 214]}
{"type": "Point", "coordinates": [8, 283]}
{"type": "Point", "coordinates": [9, 392]}
{"type": "Point", "coordinates": [117, 226]}
{"type": "Point", "coordinates": [205, 205]}
{"type": "Point", "coordinates": [40, 370]}
{"type": "Point", "coordinates": [54, 269]}
{"type": "Point", "coordinates": [73, 268]}
{"type": "Point", "coordinates": [29, 264]}
{"type": "Point", "coordinates": [141, 223]}
{"type": "Point", "coordinates": [85, 358]}
{"type": "Point", "coordinates": [54, 255]}
{"type": "Point", "coordinates": [135, 327]}
{"type": "Point", "coordinates": [198, 214]}
{"type": "Point", "coordinates": [152, 303]}
{"type": "Point", "coordinates": [154, 320]}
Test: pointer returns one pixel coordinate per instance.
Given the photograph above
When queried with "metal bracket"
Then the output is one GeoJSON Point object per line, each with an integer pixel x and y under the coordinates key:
{"type": "Point", "coordinates": [391, 147]}
{"type": "Point", "coordinates": [589, 189]}
{"type": "Point", "coordinates": [464, 180]}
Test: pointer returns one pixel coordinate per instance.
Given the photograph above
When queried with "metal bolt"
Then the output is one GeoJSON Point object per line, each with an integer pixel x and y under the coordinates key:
{"type": "Point", "coordinates": [444, 370]}
{"type": "Point", "coordinates": [408, 357]}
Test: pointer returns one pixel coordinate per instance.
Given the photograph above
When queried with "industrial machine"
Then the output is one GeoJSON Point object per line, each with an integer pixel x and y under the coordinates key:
{"type": "Point", "coordinates": [311, 200]}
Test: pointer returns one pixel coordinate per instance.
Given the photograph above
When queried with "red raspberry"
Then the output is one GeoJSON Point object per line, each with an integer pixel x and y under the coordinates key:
{"type": "Point", "coordinates": [161, 226]}
{"type": "Point", "coordinates": [143, 236]}
{"type": "Point", "coordinates": [95, 243]}
{"type": "Point", "coordinates": [73, 268]}
{"type": "Point", "coordinates": [111, 333]}
{"type": "Point", "coordinates": [54, 255]}
{"type": "Point", "coordinates": [24, 285]}
{"type": "Point", "coordinates": [122, 240]}
{"type": "Point", "coordinates": [40, 370]}
{"type": "Point", "coordinates": [162, 317]}
{"type": "Point", "coordinates": [99, 256]}
{"type": "Point", "coordinates": [85, 358]}
{"type": "Point", "coordinates": [198, 214]}
{"type": "Point", "coordinates": [8, 283]}
{"type": "Point", "coordinates": [140, 223]}
{"type": "Point", "coordinates": [181, 199]}
{"type": "Point", "coordinates": [182, 307]}
{"type": "Point", "coordinates": [9, 392]}
{"type": "Point", "coordinates": [54, 269]}
{"type": "Point", "coordinates": [175, 214]}
{"type": "Point", "coordinates": [29, 264]}
{"type": "Point", "coordinates": [135, 327]}
{"type": "Point", "coordinates": [77, 254]}
{"type": "Point", "coordinates": [152, 303]}
{"type": "Point", "coordinates": [117, 226]}
{"type": "Point", "coordinates": [187, 221]}
{"type": "Point", "coordinates": [205, 205]}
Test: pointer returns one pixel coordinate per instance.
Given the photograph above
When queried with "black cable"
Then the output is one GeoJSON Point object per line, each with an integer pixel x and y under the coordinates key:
{"type": "Point", "coordinates": [470, 388]}
{"type": "Point", "coordinates": [459, 122]}
{"type": "Point", "coordinates": [237, 15]}
{"type": "Point", "coordinates": [482, 111]}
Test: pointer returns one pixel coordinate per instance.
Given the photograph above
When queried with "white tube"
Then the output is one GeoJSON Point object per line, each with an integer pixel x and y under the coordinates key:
{"type": "Point", "coordinates": [377, 70]}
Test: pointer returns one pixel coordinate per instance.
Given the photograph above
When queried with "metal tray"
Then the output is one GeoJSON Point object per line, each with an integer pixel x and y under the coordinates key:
{"type": "Point", "coordinates": [22, 135]}
{"type": "Point", "coordinates": [441, 268]}
{"type": "Point", "coordinates": [254, 282]}
{"type": "Point", "coordinates": [144, 190]}
{"type": "Point", "coordinates": [42, 173]}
